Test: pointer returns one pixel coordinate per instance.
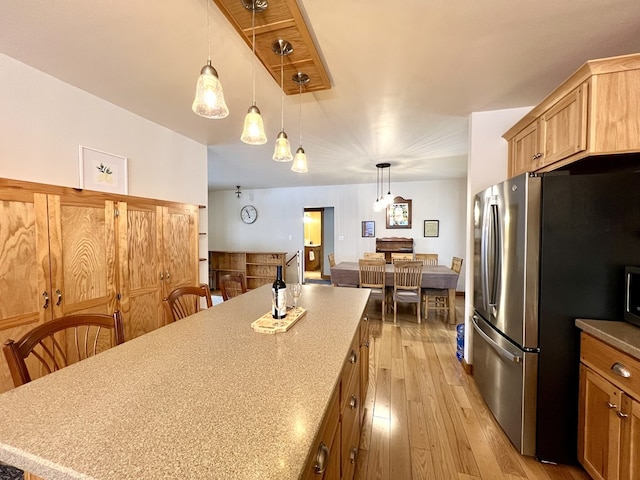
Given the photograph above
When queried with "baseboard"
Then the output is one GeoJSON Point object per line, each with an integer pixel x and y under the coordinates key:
{"type": "Point", "coordinates": [468, 369]}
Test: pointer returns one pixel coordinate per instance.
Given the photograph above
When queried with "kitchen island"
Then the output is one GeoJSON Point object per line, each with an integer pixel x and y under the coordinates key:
{"type": "Point", "coordinates": [205, 397]}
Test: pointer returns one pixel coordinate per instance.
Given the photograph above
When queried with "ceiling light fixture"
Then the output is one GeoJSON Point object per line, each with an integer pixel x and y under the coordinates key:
{"type": "Point", "coordinates": [209, 100]}
{"type": "Point", "coordinates": [300, 160]}
{"type": "Point", "coordinates": [382, 200]}
{"type": "Point", "coordinates": [282, 152]}
{"type": "Point", "coordinates": [238, 192]}
{"type": "Point", "coordinates": [253, 132]}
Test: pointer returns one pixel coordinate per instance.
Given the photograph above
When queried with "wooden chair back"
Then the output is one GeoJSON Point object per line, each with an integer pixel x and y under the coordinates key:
{"type": "Point", "coordinates": [232, 285]}
{"type": "Point", "coordinates": [456, 264]}
{"type": "Point", "coordinates": [407, 275]}
{"type": "Point", "coordinates": [185, 301]}
{"type": "Point", "coordinates": [402, 257]}
{"type": "Point", "coordinates": [372, 272]}
{"type": "Point", "coordinates": [332, 260]}
{"type": "Point", "coordinates": [60, 342]}
{"type": "Point", "coordinates": [427, 258]}
{"type": "Point", "coordinates": [371, 255]}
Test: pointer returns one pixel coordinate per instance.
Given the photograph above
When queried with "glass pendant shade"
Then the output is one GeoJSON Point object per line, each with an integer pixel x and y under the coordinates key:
{"type": "Point", "coordinates": [282, 152]}
{"type": "Point", "coordinates": [209, 100]}
{"type": "Point", "coordinates": [388, 199]}
{"type": "Point", "coordinates": [253, 132]}
{"type": "Point", "coordinates": [378, 206]}
{"type": "Point", "coordinates": [300, 161]}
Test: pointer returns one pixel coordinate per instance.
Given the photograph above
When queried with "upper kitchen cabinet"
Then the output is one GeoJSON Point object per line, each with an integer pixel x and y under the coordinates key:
{"type": "Point", "coordinates": [594, 112]}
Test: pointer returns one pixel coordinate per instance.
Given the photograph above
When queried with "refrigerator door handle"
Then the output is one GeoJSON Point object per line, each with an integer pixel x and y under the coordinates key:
{"type": "Point", "coordinates": [492, 254]}
{"type": "Point", "coordinates": [501, 351]}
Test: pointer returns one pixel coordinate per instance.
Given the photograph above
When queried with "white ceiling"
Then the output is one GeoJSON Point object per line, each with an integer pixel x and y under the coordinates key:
{"type": "Point", "coordinates": [405, 75]}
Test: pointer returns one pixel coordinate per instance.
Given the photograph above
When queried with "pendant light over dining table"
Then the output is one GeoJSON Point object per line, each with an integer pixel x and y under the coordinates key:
{"type": "Point", "coordinates": [382, 200]}
{"type": "Point", "coordinates": [253, 132]}
{"type": "Point", "coordinates": [282, 151]}
{"type": "Point", "coordinates": [300, 160]}
{"type": "Point", "coordinates": [209, 100]}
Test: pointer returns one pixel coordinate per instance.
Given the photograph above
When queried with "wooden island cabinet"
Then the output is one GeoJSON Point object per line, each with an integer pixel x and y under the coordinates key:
{"type": "Point", "coordinates": [66, 251]}
{"type": "Point", "coordinates": [594, 112]}
{"type": "Point", "coordinates": [609, 411]}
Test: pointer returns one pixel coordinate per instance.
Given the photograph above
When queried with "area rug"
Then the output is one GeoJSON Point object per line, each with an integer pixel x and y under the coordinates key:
{"type": "Point", "coordinates": [10, 473]}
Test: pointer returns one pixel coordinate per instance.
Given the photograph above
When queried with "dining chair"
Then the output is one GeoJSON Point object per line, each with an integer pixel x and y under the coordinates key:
{"type": "Point", "coordinates": [372, 275]}
{"type": "Point", "coordinates": [332, 259]}
{"type": "Point", "coordinates": [407, 277]}
{"type": "Point", "coordinates": [427, 258]}
{"type": "Point", "coordinates": [438, 299]}
{"type": "Point", "coordinates": [231, 285]}
{"type": "Point", "coordinates": [185, 301]}
{"type": "Point", "coordinates": [373, 255]}
{"type": "Point", "coordinates": [401, 257]}
{"type": "Point", "coordinates": [60, 342]}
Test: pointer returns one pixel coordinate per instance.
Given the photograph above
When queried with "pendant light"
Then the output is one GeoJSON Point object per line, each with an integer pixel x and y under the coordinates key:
{"type": "Point", "coordinates": [209, 100]}
{"type": "Point", "coordinates": [300, 160]}
{"type": "Point", "coordinates": [253, 132]}
{"type": "Point", "coordinates": [388, 198]}
{"type": "Point", "coordinates": [282, 152]}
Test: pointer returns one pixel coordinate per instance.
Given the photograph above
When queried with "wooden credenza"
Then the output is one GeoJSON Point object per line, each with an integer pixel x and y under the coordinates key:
{"type": "Point", "coordinates": [258, 268]}
{"type": "Point", "coordinates": [391, 245]}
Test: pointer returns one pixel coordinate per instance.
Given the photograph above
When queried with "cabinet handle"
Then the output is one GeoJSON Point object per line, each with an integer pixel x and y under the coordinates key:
{"type": "Point", "coordinates": [59, 294]}
{"type": "Point", "coordinates": [353, 455]}
{"type": "Point", "coordinates": [611, 405]}
{"type": "Point", "coordinates": [366, 344]}
{"type": "Point", "coordinates": [622, 414]}
{"type": "Point", "coordinates": [322, 458]}
{"type": "Point", "coordinates": [46, 299]}
{"type": "Point", "coordinates": [161, 275]}
{"type": "Point", "coordinates": [353, 403]}
{"type": "Point", "coordinates": [621, 370]}
{"type": "Point", "coordinates": [353, 358]}
{"type": "Point", "coordinates": [365, 318]}
{"type": "Point", "coordinates": [167, 275]}
{"type": "Point", "coordinates": [536, 156]}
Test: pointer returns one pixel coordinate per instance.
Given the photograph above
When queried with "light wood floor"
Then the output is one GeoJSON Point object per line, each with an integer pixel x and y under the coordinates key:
{"type": "Point", "coordinates": [425, 418]}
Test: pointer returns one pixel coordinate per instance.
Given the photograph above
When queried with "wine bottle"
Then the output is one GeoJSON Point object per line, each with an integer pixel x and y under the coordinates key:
{"type": "Point", "coordinates": [279, 296]}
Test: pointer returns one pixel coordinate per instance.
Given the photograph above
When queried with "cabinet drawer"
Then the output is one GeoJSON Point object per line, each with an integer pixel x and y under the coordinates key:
{"type": "Point", "coordinates": [326, 448]}
{"type": "Point", "coordinates": [351, 367]}
{"type": "Point", "coordinates": [610, 362]}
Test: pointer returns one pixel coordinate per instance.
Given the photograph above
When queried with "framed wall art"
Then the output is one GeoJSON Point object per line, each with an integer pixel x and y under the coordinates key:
{"type": "Point", "coordinates": [368, 228]}
{"type": "Point", "coordinates": [431, 228]}
{"type": "Point", "coordinates": [102, 171]}
{"type": "Point", "coordinates": [399, 213]}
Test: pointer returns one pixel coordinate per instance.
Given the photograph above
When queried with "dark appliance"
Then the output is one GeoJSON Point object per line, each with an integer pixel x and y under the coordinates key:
{"type": "Point", "coordinates": [547, 249]}
{"type": "Point", "coordinates": [632, 295]}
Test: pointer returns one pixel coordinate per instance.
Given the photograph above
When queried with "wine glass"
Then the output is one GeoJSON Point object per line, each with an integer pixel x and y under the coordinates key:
{"type": "Point", "coordinates": [296, 291]}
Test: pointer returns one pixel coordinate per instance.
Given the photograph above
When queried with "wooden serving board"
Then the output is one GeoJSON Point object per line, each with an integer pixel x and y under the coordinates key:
{"type": "Point", "coordinates": [268, 324]}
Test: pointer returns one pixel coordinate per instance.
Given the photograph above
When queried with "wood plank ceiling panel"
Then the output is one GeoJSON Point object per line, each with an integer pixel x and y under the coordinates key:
{"type": "Point", "coordinates": [282, 19]}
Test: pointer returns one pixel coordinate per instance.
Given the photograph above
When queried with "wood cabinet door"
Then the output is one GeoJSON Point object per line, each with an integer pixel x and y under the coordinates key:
{"type": "Point", "coordinates": [630, 440]}
{"type": "Point", "coordinates": [141, 274]}
{"type": "Point", "coordinates": [599, 426]}
{"type": "Point", "coordinates": [24, 268]}
{"type": "Point", "coordinates": [524, 151]}
{"type": "Point", "coordinates": [179, 247]}
{"type": "Point", "coordinates": [564, 127]}
{"type": "Point", "coordinates": [82, 244]}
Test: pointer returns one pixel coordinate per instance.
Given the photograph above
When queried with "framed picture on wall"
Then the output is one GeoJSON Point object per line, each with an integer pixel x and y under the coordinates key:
{"type": "Point", "coordinates": [399, 213]}
{"type": "Point", "coordinates": [368, 228]}
{"type": "Point", "coordinates": [431, 228]}
{"type": "Point", "coordinates": [102, 171]}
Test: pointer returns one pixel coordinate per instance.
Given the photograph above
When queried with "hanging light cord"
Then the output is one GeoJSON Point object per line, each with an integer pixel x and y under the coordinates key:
{"type": "Point", "coordinates": [377, 184]}
{"type": "Point", "coordinates": [389, 189]}
{"type": "Point", "coordinates": [208, 36]}
{"type": "Point", "coordinates": [300, 117]}
{"type": "Point", "coordinates": [281, 90]}
{"type": "Point", "coordinates": [253, 42]}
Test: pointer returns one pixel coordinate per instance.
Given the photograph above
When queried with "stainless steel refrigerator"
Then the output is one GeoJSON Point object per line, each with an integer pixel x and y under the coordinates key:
{"type": "Point", "coordinates": [547, 250]}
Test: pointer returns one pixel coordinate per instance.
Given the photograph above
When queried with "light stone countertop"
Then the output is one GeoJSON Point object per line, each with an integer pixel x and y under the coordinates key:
{"type": "Point", "coordinates": [622, 335]}
{"type": "Point", "coordinates": [205, 397]}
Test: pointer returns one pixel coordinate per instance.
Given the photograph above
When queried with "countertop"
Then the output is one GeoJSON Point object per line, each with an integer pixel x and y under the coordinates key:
{"type": "Point", "coordinates": [204, 397]}
{"type": "Point", "coordinates": [622, 335]}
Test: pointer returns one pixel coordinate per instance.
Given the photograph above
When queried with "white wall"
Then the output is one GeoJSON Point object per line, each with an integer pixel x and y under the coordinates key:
{"type": "Point", "coordinates": [43, 120]}
{"type": "Point", "coordinates": [279, 225]}
{"type": "Point", "coordinates": [487, 166]}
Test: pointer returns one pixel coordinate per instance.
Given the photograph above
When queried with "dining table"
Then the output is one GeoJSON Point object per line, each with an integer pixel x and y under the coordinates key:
{"type": "Point", "coordinates": [439, 277]}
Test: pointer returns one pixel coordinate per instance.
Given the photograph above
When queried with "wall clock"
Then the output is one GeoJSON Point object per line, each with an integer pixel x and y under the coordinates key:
{"type": "Point", "coordinates": [248, 214]}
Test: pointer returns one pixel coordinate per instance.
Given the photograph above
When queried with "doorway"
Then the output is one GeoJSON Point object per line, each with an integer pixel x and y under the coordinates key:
{"type": "Point", "coordinates": [318, 243]}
